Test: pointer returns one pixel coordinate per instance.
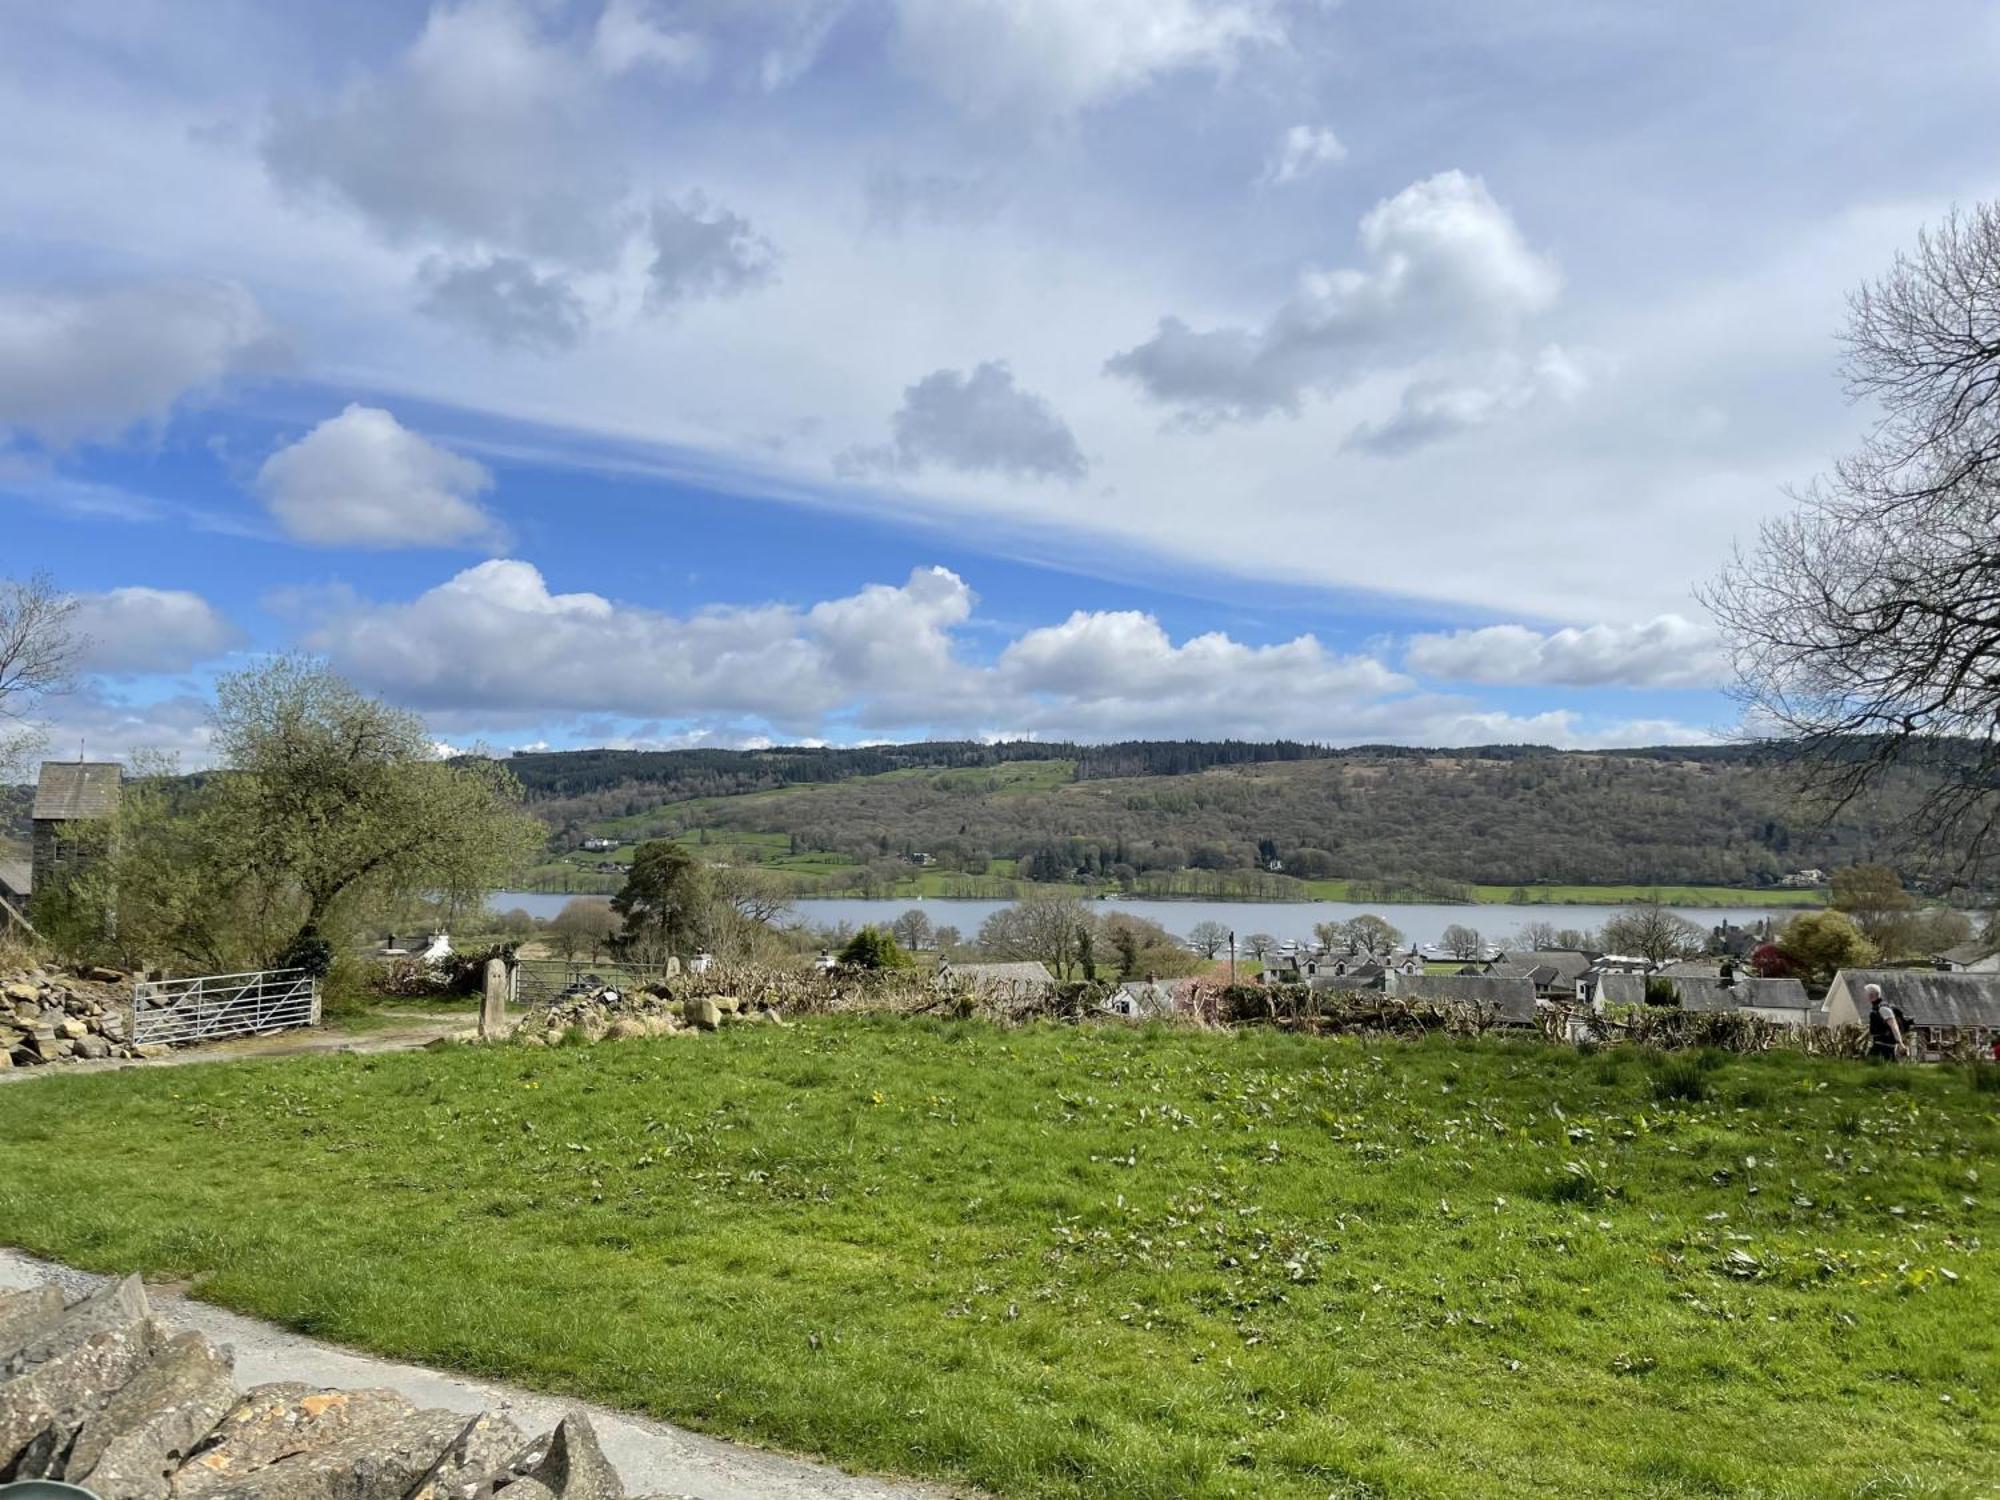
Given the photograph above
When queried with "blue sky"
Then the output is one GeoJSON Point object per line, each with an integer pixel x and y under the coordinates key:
{"type": "Point", "coordinates": [729, 371]}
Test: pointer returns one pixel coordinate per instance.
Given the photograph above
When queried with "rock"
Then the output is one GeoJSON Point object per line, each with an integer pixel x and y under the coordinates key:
{"type": "Point", "coordinates": [570, 1463]}
{"type": "Point", "coordinates": [151, 1049]}
{"type": "Point", "coordinates": [116, 1304]}
{"type": "Point", "coordinates": [21, 992]}
{"type": "Point", "coordinates": [94, 1047]}
{"type": "Point", "coordinates": [729, 1005]}
{"type": "Point", "coordinates": [282, 1420]}
{"type": "Point", "coordinates": [704, 1014]}
{"type": "Point", "coordinates": [71, 1029]}
{"type": "Point", "coordinates": [528, 1489]}
{"type": "Point", "coordinates": [29, 1314]}
{"type": "Point", "coordinates": [130, 1447]}
{"type": "Point", "coordinates": [625, 1029]}
{"type": "Point", "coordinates": [101, 975]}
{"type": "Point", "coordinates": [366, 1461]}
{"type": "Point", "coordinates": [474, 1458]}
{"type": "Point", "coordinates": [42, 1407]}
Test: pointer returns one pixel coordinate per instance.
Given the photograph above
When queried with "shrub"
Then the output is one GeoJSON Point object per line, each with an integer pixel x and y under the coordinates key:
{"type": "Point", "coordinates": [874, 948]}
{"type": "Point", "coordinates": [1681, 1079]}
{"type": "Point", "coordinates": [1984, 1078]}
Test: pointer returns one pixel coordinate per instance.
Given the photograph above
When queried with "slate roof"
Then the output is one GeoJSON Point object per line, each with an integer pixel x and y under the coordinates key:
{"type": "Point", "coordinates": [1693, 968]}
{"type": "Point", "coordinates": [1569, 965]}
{"type": "Point", "coordinates": [1150, 997]}
{"type": "Point", "coordinates": [1968, 953]}
{"type": "Point", "coordinates": [1513, 998]}
{"type": "Point", "coordinates": [16, 877]}
{"type": "Point", "coordinates": [71, 789]}
{"type": "Point", "coordinates": [1020, 977]}
{"type": "Point", "coordinates": [1357, 977]}
{"type": "Point", "coordinates": [1929, 997]}
{"type": "Point", "coordinates": [1700, 992]}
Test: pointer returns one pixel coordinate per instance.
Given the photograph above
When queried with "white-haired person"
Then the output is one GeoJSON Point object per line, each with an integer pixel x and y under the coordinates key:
{"type": "Point", "coordinates": [1885, 1026]}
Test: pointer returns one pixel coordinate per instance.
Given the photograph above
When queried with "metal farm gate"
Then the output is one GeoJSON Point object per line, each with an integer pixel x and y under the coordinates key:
{"type": "Point", "coordinates": [214, 1006]}
{"type": "Point", "coordinates": [542, 982]}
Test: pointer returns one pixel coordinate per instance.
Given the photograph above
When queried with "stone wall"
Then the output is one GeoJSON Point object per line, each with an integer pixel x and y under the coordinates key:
{"type": "Point", "coordinates": [46, 1017]}
{"type": "Point", "coordinates": [98, 1393]}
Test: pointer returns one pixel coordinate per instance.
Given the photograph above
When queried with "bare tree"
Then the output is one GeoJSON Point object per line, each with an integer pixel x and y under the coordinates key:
{"type": "Point", "coordinates": [1461, 941]}
{"type": "Point", "coordinates": [37, 651]}
{"type": "Point", "coordinates": [1208, 938]}
{"type": "Point", "coordinates": [1653, 933]}
{"type": "Point", "coordinates": [1260, 945]}
{"type": "Point", "coordinates": [1865, 627]}
{"type": "Point", "coordinates": [913, 930]}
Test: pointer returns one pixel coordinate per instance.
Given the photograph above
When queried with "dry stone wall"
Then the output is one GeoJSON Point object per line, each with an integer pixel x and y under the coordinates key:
{"type": "Point", "coordinates": [48, 1018]}
{"type": "Point", "coordinates": [99, 1393]}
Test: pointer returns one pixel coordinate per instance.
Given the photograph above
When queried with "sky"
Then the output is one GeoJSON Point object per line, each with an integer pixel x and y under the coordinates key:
{"type": "Point", "coordinates": [736, 372]}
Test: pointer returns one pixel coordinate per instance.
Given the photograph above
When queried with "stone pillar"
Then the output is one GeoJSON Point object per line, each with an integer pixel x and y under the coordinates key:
{"type": "Point", "coordinates": [493, 1008]}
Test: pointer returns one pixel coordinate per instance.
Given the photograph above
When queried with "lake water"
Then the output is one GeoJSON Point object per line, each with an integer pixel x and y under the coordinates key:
{"type": "Point", "coordinates": [1283, 920]}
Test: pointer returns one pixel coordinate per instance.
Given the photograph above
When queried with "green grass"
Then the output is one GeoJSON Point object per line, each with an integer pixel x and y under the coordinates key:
{"type": "Point", "coordinates": [1107, 1262]}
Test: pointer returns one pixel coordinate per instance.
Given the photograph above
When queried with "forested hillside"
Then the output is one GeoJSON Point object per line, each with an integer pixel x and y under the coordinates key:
{"type": "Point", "coordinates": [1510, 815]}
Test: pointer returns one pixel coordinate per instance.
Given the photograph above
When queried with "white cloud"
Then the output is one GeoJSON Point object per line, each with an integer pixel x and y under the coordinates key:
{"type": "Point", "coordinates": [362, 479]}
{"type": "Point", "coordinates": [130, 630]}
{"type": "Point", "coordinates": [981, 423]}
{"type": "Point", "coordinates": [103, 725]}
{"type": "Point", "coordinates": [506, 301]}
{"type": "Point", "coordinates": [495, 648]}
{"type": "Point", "coordinates": [80, 365]}
{"type": "Point", "coordinates": [1666, 652]}
{"type": "Point", "coordinates": [1302, 151]}
{"type": "Point", "coordinates": [630, 35]}
{"type": "Point", "coordinates": [1055, 57]}
{"type": "Point", "coordinates": [1433, 409]}
{"type": "Point", "coordinates": [1446, 268]}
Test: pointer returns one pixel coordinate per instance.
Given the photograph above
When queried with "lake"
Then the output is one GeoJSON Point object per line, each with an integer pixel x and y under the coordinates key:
{"type": "Point", "coordinates": [1283, 920]}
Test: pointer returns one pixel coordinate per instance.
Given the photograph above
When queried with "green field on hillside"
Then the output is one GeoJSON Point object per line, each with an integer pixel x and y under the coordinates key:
{"type": "Point", "coordinates": [1106, 1261]}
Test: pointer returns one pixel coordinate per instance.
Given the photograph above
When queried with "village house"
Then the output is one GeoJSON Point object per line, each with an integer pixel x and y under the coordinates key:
{"type": "Point", "coordinates": [1003, 981]}
{"type": "Point", "coordinates": [1945, 1011]}
{"type": "Point", "coordinates": [1142, 999]}
{"type": "Point", "coordinates": [16, 883]}
{"type": "Point", "coordinates": [599, 845]}
{"type": "Point", "coordinates": [1975, 957]}
{"type": "Point", "coordinates": [1555, 972]}
{"type": "Point", "coordinates": [1780, 1000]}
{"type": "Point", "coordinates": [73, 798]}
{"type": "Point", "coordinates": [1509, 999]}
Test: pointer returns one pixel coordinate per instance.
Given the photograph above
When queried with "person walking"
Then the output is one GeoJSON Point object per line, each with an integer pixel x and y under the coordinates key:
{"type": "Point", "coordinates": [1885, 1034]}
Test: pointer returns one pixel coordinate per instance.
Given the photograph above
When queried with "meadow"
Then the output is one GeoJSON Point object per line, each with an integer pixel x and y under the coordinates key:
{"type": "Point", "coordinates": [1108, 1261]}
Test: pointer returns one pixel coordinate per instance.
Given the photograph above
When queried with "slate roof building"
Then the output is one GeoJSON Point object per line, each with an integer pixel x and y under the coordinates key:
{"type": "Point", "coordinates": [1140, 999]}
{"type": "Point", "coordinates": [16, 882]}
{"type": "Point", "coordinates": [1556, 972]}
{"type": "Point", "coordinates": [1975, 957]}
{"type": "Point", "coordinates": [1511, 999]}
{"type": "Point", "coordinates": [1781, 1000]}
{"type": "Point", "coordinates": [1008, 981]}
{"type": "Point", "coordinates": [70, 795]}
{"type": "Point", "coordinates": [1943, 1009]}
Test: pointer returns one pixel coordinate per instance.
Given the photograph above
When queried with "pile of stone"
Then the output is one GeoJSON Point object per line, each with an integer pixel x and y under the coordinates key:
{"type": "Point", "coordinates": [100, 1394]}
{"type": "Point", "coordinates": [605, 1013]}
{"type": "Point", "coordinates": [47, 1018]}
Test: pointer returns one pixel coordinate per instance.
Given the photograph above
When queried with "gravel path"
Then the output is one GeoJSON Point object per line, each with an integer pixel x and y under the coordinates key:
{"type": "Point", "coordinates": [652, 1457]}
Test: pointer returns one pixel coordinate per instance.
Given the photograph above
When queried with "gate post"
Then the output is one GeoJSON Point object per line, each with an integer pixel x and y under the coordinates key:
{"type": "Point", "coordinates": [493, 1008]}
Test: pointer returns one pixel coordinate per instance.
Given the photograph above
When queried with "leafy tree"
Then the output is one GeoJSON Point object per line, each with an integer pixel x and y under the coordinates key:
{"type": "Point", "coordinates": [874, 948]}
{"type": "Point", "coordinates": [1818, 944]}
{"type": "Point", "coordinates": [665, 905]}
{"type": "Point", "coordinates": [1208, 938]}
{"type": "Point", "coordinates": [1375, 936]}
{"type": "Point", "coordinates": [1661, 992]}
{"type": "Point", "coordinates": [1874, 896]}
{"type": "Point", "coordinates": [331, 802]}
{"type": "Point", "coordinates": [1047, 927]}
{"type": "Point", "coordinates": [37, 650]}
{"type": "Point", "coordinates": [1769, 962]}
{"type": "Point", "coordinates": [1652, 932]}
{"type": "Point", "coordinates": [1461, 941]}
{"type": "Point", "coordinates": [913, 930]}
{"type": "Point", "coordinates": [586, 924]}
{"type": "Point", "coordinates": [1144, 947]}
{"type": "Point", "coordinates": [1934, 930]}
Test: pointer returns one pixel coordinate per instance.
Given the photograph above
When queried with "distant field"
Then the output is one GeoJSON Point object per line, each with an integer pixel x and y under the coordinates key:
{"type": "Point", "coordinates": [1108, 1262]}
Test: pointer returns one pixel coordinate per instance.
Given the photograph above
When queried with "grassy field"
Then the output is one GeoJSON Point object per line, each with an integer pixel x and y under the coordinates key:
{"type": "Point", "coordinates": [1108, 1262]}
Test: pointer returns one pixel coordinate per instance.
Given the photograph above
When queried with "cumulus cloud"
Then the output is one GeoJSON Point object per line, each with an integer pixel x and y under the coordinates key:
{"type": "Point", "coordinates": [1666, 652]}
{"type": "Point", "coordinates": [981, 423]}
{"type": "Point", "coordinates": [630, 34]}
{"type": "Point", "coordinates": [362, 479]}
{"type": "Point", "coordinates": [506, 301]}
{"type": "Point", "coordinates": [1302, 151]}
{"type": "Point", "coordinates": [132, 630]}
{"type": "Point", "coordinates": [1055, 57]}
{"type": "Point", "coordinates": [107, 725]}
{"type": "Point", "coordinates": [1444, 268]}
{"type": "Point", "coordinates": [78, 365]}
{"type": "Point", "coordinates": [1434, 409]}
{"type": "Point", "coordinates": [496, 646]}
{"type": "Point", "coordinates": [496, 637]}
{"type": "Point", "coordinates": [703, 251]}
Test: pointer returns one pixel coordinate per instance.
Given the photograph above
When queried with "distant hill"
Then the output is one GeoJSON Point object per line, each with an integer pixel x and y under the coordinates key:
{"type": "Point", "coordinates": [1139, 813]}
